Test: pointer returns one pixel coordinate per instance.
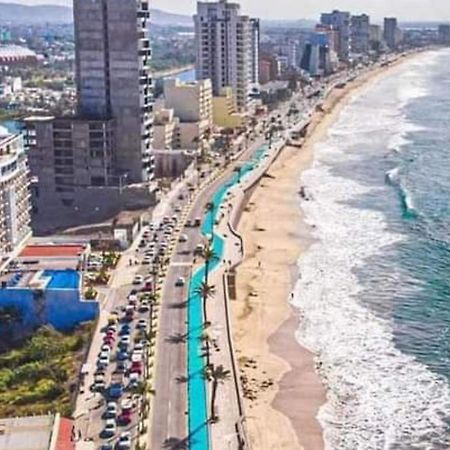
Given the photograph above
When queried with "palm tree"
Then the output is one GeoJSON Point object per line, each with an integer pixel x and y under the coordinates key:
{"type": "Point", "coordinates": [209, 255]}
{"type": "Point", "coordinates": [209, 208]}
{"type": "Point", "coordinates": [205, 292]}
{"type": "Point", "coordinates": [238, 170]}
{"type": "Point", "coordinates": [218, 375]}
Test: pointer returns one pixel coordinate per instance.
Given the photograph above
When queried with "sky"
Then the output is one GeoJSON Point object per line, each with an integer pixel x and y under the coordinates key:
{"type": "Point", "coordinates": [433, 10]}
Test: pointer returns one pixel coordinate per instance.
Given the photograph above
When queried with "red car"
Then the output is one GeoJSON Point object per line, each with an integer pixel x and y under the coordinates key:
{"type": "Point", "coordinates": [136, 367]}
{"type": "Point", "coordinates": [126, 416]}
{"type": "Point", "coordinates": [109, 340]}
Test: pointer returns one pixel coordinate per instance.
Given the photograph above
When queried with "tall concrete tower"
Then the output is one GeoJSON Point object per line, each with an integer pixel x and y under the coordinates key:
{"type": "Point", "coordinates": [113, 77]}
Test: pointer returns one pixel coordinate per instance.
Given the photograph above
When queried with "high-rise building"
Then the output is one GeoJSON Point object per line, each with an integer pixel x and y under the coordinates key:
{"type": "Point", "coordinates": [255, 40]}
{"type": "Point", "coordinates": [340, 20]}
{"type": "Point", "coordinates": [227, 49]}
{"type": "Point", "coordinates": [113, 76]}
{"type": "Point", "coordinates": [14, 194]}
{"type": "Point", "coordinates": [360, 34]}
{"type": "Point", "coordinates": [390, 32]}
{"type": "Point", "coordinates": [100, 159]}
{"type": "Point", "coordinates": [333, 36]}
{"type": "Point", "coordinates": [316, 56]}
{"type": "Point", "coordinates": [444, 34]}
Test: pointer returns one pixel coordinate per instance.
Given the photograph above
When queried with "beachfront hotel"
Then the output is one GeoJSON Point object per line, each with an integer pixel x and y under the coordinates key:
{"type": "Point", "coordinates": [14, 194]}
{"type": "Point", "coordinates": [227, 46]}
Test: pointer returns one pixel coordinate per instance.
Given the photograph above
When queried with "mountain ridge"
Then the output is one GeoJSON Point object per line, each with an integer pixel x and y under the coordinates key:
{"type": "Point", "coordinates": [17, 13]}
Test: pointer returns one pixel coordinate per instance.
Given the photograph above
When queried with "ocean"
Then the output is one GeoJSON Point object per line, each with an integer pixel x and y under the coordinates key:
{"type": "Point", "coordinates": [374, 288]}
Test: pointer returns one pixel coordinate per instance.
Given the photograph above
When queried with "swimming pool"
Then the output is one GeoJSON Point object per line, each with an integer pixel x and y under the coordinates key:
{"type": "Point", "coordinates": [197, 385]}
{"type": "Point", "coordinates": [62, 279]}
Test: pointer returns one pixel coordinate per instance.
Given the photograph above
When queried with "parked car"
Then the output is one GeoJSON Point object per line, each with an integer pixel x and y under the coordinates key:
{"type": "Point", "coordinates": [138, 279]}
{"type": "Point", "coordinates": [183, 238]}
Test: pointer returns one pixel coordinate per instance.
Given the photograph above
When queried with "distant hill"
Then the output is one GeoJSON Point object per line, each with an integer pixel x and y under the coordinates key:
{"type": "Point", "coordinates": [163, 18]}
{"type": "Point", "coordinates": [293, 23]}
{"type": "Point", "coordinates": [21, 14]}
{"type": "Point", "coordinates": [15, 13]}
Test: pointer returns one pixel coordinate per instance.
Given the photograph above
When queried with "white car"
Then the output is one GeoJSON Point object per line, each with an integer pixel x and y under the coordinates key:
{"type": "Point", "coordinates": [103, 360]}
{"type": "Point", "coordinates": [111, 410]}
{"type": "Point", "coordinates": [124, 442]}
{"type": "Point", "coordinates": [138, 279]}
{"type": "Point", "coordinates": [142, 324]}
{"type": "Point", "coordinates": [110, 428]}
{"type": "Point", "coordinates": [184, 238]}
{"type": "Point", "coordinates": [147, 260]}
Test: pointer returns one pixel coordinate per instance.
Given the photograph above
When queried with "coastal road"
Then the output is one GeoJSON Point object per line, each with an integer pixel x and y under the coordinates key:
{"type": "Point", "coordinates": [169, 416]}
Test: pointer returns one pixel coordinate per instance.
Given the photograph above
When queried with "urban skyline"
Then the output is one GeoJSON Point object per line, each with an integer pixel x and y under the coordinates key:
{"type": "Point", "coordinates": [407, 10]}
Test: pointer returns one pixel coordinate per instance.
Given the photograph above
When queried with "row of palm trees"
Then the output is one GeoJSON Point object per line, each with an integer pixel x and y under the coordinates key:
{"type": "Point", "coordinates": [206, 291]}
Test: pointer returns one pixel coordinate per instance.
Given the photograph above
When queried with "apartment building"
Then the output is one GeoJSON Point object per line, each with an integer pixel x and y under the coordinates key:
{"type": "Point", "coordinates": [391, 32]}
{"type": "Point", "coordinates": [360, 34]}
{"type": "Point", "coordinates": [227, 49]}
{"type": "Point", "coordinates": [340, 21]}
{"type": "Point", "coordinates": [191, 102]}
{"type": "Point", "coordinates": [14, 194]}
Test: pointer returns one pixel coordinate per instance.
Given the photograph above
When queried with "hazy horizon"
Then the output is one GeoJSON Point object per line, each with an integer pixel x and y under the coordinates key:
{"type": "Point", "coordinates": [406, 10]}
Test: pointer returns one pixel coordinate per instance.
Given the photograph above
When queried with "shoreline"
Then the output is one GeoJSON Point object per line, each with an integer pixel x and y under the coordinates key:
{"type": "Point", "coordinates": [280, 373]}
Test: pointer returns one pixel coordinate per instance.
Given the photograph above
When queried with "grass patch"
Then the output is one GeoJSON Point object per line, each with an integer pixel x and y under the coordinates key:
{"type": "Point", "coordinates": [40, 374]}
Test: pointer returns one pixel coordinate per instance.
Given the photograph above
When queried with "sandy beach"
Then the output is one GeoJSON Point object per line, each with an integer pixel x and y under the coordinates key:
{"type": "Point", "coordinates": [283, 392]}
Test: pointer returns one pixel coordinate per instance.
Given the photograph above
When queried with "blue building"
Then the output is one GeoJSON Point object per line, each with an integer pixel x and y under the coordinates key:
{"type": "Point", "coordinates": [50, 297]}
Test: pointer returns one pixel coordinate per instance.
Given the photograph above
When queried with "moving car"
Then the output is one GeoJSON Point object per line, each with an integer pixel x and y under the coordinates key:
{"type": "Point", "coordinates": [111, 410]}
{"type": "Point", "coordinates": [124, 442]}
{"type": "Point", "coordinates": [110, 428]}
{"type": "Point", "coordinates": [142, 324]}
{"type": "Point", "coordinates": [138, 279]}
{"type": "Point", "coordinates": [115, 390]}
{"type": "Point", "coordinates": [183, 238]}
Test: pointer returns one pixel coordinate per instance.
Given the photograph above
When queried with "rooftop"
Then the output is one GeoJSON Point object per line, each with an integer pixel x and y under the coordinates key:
{"type": "Point", "coordinates": [26, 433]}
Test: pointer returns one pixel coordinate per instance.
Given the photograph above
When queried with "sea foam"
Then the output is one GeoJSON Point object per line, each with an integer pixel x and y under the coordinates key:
{"type": "Point", "coordinates": [378, 397]}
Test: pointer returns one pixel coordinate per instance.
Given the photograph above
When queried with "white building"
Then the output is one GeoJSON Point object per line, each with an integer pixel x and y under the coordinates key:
{"type": "Point", "coordinates": [14, 194]}
{"type": "Point", "coordinates": [227, 48]}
